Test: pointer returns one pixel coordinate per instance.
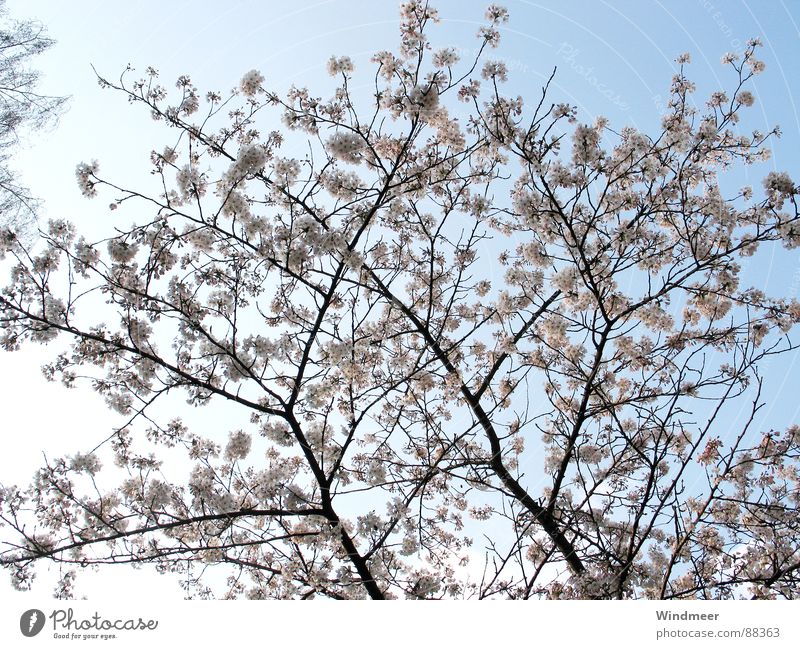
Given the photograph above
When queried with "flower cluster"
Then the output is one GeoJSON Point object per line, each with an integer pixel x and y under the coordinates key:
{"type": "Point", "coordinates": [345, 146]}
{"type": "Point", "coordinates": [251, 82]}
{"type": "Point", "coordinates": [340, 65]}
{"type": "Point", "coordinates": [85, 173]}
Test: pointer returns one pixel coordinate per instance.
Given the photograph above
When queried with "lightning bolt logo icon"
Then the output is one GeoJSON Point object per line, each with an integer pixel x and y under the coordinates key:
{"type": "Point", "coordinates": [31, 622]}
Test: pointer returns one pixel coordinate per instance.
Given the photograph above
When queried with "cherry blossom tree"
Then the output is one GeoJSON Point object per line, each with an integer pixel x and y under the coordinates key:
{"type": "Point", "coordinates": [22, 107]}
{"type": "Point", "coordinates": [481, 348]}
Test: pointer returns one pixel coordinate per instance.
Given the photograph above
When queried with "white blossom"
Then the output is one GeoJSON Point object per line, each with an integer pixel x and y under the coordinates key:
{"type": "Point", "coordinates": [85, 463]}
{"type": "Point", "coordinates": [238, 446]}
{"type": "Point", "coordinates": [251, 83]}
{"type": "Point", "coordinates": [346, 146]}
{"type": "Point", "coordinates": [85, 172]}
{"type": "Point", "coordinates": [339, 65]}
{"type": "Point", "coordinates": [745, 97]}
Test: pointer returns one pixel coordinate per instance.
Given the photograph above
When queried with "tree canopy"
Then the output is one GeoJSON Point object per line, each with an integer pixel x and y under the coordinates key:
{"type": "Point", "coordinates": [480, 348]}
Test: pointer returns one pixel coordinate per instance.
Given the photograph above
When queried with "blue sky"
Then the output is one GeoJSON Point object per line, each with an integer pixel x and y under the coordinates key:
{"type": "Point", "coordinates": [613, 58]}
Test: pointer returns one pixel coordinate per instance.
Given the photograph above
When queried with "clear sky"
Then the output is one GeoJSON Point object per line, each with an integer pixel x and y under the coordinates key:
{"type": "Point", "coordinates": [614, 58]}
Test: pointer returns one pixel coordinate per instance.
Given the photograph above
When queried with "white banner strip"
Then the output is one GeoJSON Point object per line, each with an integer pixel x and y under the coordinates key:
{"type": "Point", "coordinates": [399, 624]}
